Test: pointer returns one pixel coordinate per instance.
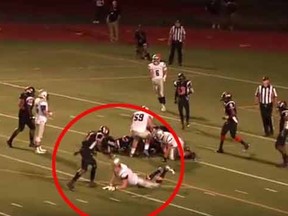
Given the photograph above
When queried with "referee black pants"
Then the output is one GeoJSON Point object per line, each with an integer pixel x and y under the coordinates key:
{"type": "Point", "coordinates": [266, 114]}
{"type": "Point", "coordinates": [176, 45]}
{"type": "Point", "coordinates": [183, 104]}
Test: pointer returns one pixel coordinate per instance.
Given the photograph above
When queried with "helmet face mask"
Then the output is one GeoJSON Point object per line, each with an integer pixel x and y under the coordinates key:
{"type": "Point", "coordinates": [105, 130]}
{"type": "Point", "coordinates": [156, 59]}
{"type": "Point", "coordinates": [281, 105]}
{"type": "Point", "coordinates": [181, 77]}
{"type": "Point", "coordinates": [44, 94]}
{"type": "Point", "coordinates": [226, 97]}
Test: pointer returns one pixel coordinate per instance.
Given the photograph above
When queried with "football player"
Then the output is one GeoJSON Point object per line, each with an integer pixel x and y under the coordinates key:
{"type": "Point", "coordinates": [25, 115]}
{"type": "Point", "coordinates": [42, 115]}
{"type": "Point", "coordinates": [282, 137]}
{"type": "Point", "coordinates": [141, 123]}
{"type": "Point", "coordinates": [183, 89]}
{"type": "Point", "coordinates": [231, 122]}
{"type": "Point", "coordinates": [130, 178]}
{"type": "Point", "coordinates": [87, 152]}
{"type": "Point", "coordinates": [158, 74]}
{"type": "Point", "coordinates": [120, 145]}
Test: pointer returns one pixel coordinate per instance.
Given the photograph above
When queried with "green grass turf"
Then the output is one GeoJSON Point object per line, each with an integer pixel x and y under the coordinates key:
{"type": "Point", "coordinates": [80, 76]}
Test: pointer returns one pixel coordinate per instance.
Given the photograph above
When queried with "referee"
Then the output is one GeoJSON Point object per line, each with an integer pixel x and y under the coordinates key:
{"type": "Point", "coordinates": [266, 96]}
{"type": "Point", "coordinates": [176, 39]}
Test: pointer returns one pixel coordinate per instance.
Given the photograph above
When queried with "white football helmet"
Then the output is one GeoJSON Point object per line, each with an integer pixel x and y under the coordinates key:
{"type": "Point", "coordinates": [159, 134]}
{"type": "Point", "coordinates": [43, 94]}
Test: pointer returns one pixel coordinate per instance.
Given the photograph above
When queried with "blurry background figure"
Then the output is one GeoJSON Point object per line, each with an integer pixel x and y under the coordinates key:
{"type": "Point", "coordinates": [177, 36]}
{"type": "Point", "coordinates": [99, 11]}
{"type": "Point", "coordinates": [113, 21]}
{"type": "Point", "coordinates": [214, 8]}
{"type": "Point", "coordinates": [229, 13]}
{"type": "Point", "coordinates": [141, 44]}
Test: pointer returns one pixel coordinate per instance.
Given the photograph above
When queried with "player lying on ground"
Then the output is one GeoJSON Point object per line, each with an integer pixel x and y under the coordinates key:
{"type": "Point", "coordinates": [130, 178]}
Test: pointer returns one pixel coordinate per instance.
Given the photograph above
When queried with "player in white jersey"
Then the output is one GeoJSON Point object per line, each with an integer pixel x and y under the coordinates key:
{"type": "Point", "coordinates": [141, 123]}
{"type": "Point", "coordinates": [42, 114]}
{"type": "Point", "coordinates": [130, 178]}
{"type": "Point", "coordinates": [158, 74]}
{"type": "Point", "coordinates": [169, 144]}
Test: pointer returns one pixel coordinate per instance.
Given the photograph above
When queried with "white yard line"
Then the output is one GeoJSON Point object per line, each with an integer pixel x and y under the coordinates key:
{"type": "Point", "coordinates": [209, 193]}
{"type": "Point", "coordinates": [113, 199]}
{"type": "Point", "coordinates": [178, 195]}
{"type": "Point", "coordinates": [271, 190]}
{"type": "Point", "coordinates": [125, 191]}
{"type": "Point", "coordinates": [242, 192]}
{"type": "Point", "coordinates": [49, 202]}
{"type": "Point", "coordinates": [82, 201]}
{"type": "Point", "coordinates": [4, 214]}
{"type": "Point", "coordinates": [17, 205]}
{"type": "Point", "coordinates": [201, 162]}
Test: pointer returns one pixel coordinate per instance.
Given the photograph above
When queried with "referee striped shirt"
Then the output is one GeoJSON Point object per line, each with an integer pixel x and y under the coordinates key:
{"type": "Point", "coordinates": [177, 33]}
{"type": "Point", "coordinates": [265, 95]}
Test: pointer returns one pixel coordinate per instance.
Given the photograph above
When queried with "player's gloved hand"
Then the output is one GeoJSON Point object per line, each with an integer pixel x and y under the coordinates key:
{"type": "Point", "coordinates": [106, 187]}
{"type": "Point", "coordinates": [113, 188]}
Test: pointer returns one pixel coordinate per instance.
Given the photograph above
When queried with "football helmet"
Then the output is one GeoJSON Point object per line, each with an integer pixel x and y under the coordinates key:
{"type": "Point", "coordinates": [105, 130]}
{"type": "Point", "coordinates": [181, 77]}
{"type": "Point", "coordinates": [226, 96]}
{"type": "Point", "coordinates": [281, 105]}
{"type": "Point", "coordinates": [156, 58]}
{"type": "Point", "coordinates": [159, 134]}
{"type": "Point", "coordinates": [30, 90]}
{"type": "Point", "coordinates": [43, 94]}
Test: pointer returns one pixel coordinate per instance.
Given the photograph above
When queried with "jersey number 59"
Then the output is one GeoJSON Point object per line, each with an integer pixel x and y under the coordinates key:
{"type": "Point", "coordinates": [138, 117]}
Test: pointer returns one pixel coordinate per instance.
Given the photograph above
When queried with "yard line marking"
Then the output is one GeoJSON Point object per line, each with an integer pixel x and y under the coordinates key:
{"type": "Point", "coordinates": [113, 199]}
{"type": "Point", "coordinates": [100, 116]}
{"type": "Point", "coordinates": [200, 162]}
{"type": "Point", "coordinates": [82, 201]}
{"type": "Point", "coordinates": [17, 205]}
{"type": "Point", "coordinates": [271, 190]}
{"type": "Point", "coordinates": [81, 79]}
{"type": "Point", "coordinates": [3, 214]}
{"type": "Point", "coordinates": [178, 195]}
{"type": "Point", "coordinates": [72, 116]}
{"type": "Point", "coordinates": [209, 193]}
{"type": "Point", "coordinates": [125, 115]}
{"type": "Point", "coordinates": [49, 202]}
{"type": "Point", "coordinates": [125, 191]}
{"type": "Point", "coordinates": [187, 70]}
{"type": "Point", "coordinates": [242, 192]}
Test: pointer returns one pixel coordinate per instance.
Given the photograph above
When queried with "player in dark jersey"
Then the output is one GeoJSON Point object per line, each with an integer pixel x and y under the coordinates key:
{"type": "Point", "coordinates": [87, 152]}
{"type": "Point", "coordinates": [231, 122]}
{"type": "Point", "coordinates": [120, 145]}
{"type": "Point", "coordinates": [25, 115]}
{"type": "Point", "coordinates": [282, 137]}
{"type": "Point", "coordinates": [182, 93]}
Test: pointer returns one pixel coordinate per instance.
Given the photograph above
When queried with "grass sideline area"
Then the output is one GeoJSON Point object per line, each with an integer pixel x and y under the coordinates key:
{"type": "Point", "coordinates": [79, 76]}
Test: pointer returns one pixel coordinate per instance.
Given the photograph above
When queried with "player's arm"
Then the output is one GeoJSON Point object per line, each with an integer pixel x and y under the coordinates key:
{"type": "Point", "coordinates": [190, 88]}
{"type": "Point", "coordinates": [233, 113]}
{"type": "Point", "coordinates": [21, 103]}
{"type": "Point", "coordinates": [275, 96]}
{"type": "Point", "coordinates": [167, 150]}
{"type": "Point", "coordinates": [150, 124]}
{"type": "Point", "coordinates": [112, 179]}
{"type": "Point", "coordinates": [165, 72]}
{"type": "Point", "coordinates": [124, 183]}
{"type": "Point", "coordinates": [176, 95]}
{"type": "Point", "coordinates": [256, 99]}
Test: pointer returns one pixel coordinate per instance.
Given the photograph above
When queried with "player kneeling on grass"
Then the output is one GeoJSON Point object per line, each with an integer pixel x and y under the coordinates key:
{"type": "Point", "coordinates": [129, 178]}
{"type": "Point", "coordinates": [169, 144]}
{"type": "Point", "coordinates": [141, 123]}
{"type": "Point", "coordinates": [282, 137]}
{"type": "Point", "coordinates": [42, 115]}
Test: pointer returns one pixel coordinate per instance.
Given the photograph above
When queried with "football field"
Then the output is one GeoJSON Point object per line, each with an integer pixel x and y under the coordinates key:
{"type": "Point", "coordinates": [79, 76]}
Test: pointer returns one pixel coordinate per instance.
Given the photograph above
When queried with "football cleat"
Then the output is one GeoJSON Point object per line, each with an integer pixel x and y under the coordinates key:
{"type": "Point", "coordinates": [163, 108]}
{"type": "Point", "coordinates": [169, 169]}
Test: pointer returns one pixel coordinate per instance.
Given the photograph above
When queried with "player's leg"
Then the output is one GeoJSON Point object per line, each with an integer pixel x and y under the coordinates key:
{"type": "Point", "coordinates": [146, 136]}
{"type": "Point", "coordinates": [135, 142]}
{"type": "Point", "coordinates": [38, 138]}
{"type": "Point", "coordinates": [147, 183]}
{"type": "Point", "coordinates": [79, 173]}
{"type": "Point", "coordinates": [187, 111]}
{"type": "Point", "coordinates": [93, 173]}
{"type": "Point", "coordinates": [233, 132]}
{"type": "Point", "coordinates": [161, 98]}
{"type": "Point", "coordinates": [20, 128]}
{"type": "Point", "coordinates": [180, 109]}
{"type": "Point", "coordinates": [280, 146]}
{"type": "Point", "coordinates": [159, 174]}
{"type": "Point", "coordinates": [32, 127]}
{"type": "Point", "coordinates": [225, 129]}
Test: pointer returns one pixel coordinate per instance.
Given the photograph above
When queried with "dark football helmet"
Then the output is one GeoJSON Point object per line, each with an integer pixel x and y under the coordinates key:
{"type": "Point", "coordinates": [281, 105]}
{"type": "Point", "coordinates": [226, 96]}
{"type": "Point", "coordinates": [30, 90]}
{"type": "Point", "coordinates": [181, 77]}
{"type": "Point", "coordinates": [105, 130]}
